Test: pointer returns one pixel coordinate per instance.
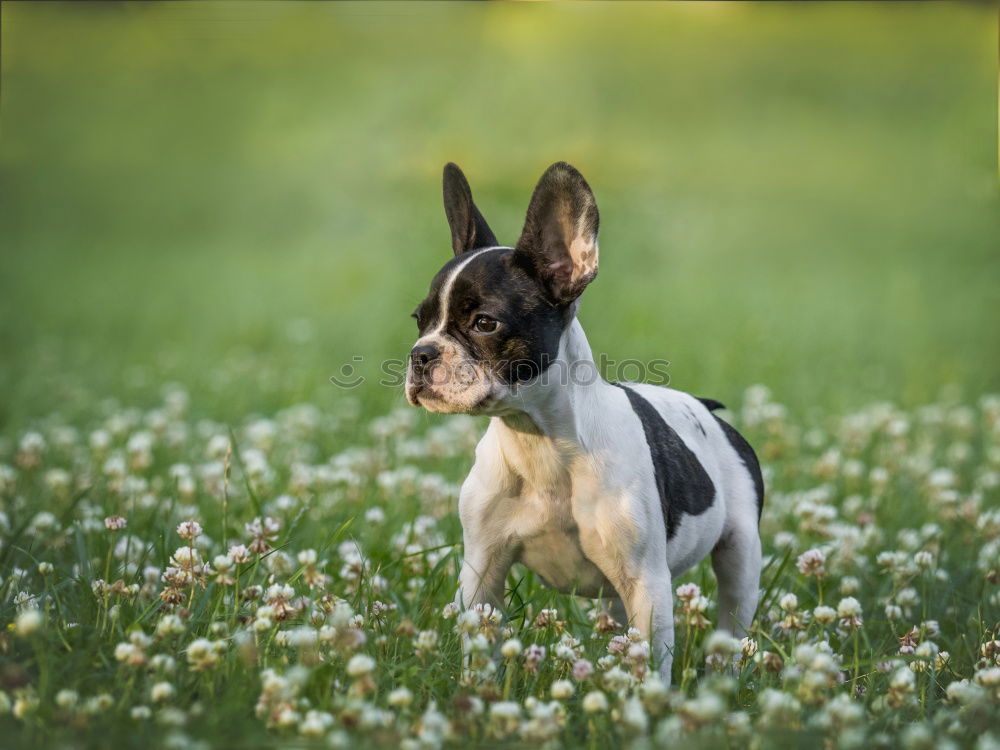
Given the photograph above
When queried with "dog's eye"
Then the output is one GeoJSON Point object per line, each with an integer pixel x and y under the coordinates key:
{"type": "Point", "coordinates": [484, 324]}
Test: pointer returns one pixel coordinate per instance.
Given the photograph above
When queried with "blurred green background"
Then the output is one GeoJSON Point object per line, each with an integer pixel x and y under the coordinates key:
{"type": "Point", "coordinates": [244, 197]}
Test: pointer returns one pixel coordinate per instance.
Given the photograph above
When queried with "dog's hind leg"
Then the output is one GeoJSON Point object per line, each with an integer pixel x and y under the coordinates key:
{"type": "Point", "coordinates": [736, 560]}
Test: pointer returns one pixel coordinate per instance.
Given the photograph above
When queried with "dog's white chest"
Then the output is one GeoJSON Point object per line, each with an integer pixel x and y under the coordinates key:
{"type": "Point", "coordinates": [550, 546]}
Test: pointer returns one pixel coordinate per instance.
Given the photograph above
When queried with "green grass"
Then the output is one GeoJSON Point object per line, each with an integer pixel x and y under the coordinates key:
{"type": "Point", "coordinates": [242, 198]}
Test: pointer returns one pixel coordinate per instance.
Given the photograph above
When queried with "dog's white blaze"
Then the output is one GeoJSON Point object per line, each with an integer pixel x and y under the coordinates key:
{"type": "Point", "coordinates": [445, 295]}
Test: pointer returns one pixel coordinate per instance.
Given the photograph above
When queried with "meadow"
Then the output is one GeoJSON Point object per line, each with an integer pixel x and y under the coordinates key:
{"type": "Point", "coordinates": [210, 209]}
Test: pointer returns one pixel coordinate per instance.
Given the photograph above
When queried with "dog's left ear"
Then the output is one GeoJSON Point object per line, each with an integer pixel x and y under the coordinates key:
{"type": "Point", "coordinates": [559, 239]}
{"type": "Point", "coordinates": [469, 229]}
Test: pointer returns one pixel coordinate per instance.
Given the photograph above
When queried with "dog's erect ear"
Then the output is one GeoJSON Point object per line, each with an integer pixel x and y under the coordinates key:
{"type": "Point", "coordinates": [559, 240]}
{"type": "Point", "coordinates": [469, 229]}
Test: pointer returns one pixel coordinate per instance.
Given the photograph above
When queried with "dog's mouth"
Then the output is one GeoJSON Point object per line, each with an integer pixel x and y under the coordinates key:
{"type": "Point", "coordinates": [413, 393]}
{"type": "Point", "coordinates": [422, 395]}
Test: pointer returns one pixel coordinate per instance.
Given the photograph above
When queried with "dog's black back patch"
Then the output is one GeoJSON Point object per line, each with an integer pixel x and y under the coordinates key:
{"type": "Point", "coordinates": [742, 447]}
{"type": "Point", "coordinates": [681, 480]}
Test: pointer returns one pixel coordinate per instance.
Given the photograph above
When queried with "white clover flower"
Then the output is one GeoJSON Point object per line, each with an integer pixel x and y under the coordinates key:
{"type": "Point", "coordinates": [302, 638]}
{"type": "Point", "coordinates": [315, 724]}
{"type": "Point", "coordinates": [688, 591]}
{"type": "Point", "coordinates": [849, 585]}
{"type": "Point", "coordinates": [706, 707]}
{"type": "Point", "coordinates": [789, 602]}
{"type": "Point", "coordinates": [204, 654]}
{"type": "Point", "coordinates": [849, 612]}
{"type": "Point", "coordinates": [140, 713]}
{"type": "Point", "coordinates": [748, 648]}
{"type": "Point", "coordinates": [534, 655]}
{"type": "Point", "coordinates": [653, 691]}
{"type": "Point", "coordinates": [488, 613]}
{"type": "Point", "coordinates": [842, 711]}
{"type": "Point", "coordinates": [426, 642]}
{"type": "Point", "coordinates": [189, 530]}
{"type": "Point", "coordinates": [964, 692]}
{"type": "Point", "coordinates": [902, 679]}
{"type": "Point", "coordinates": [564, 652]}
{"type": "Point", "coordinates": [23, 600]}
{"type": "Point", "coordinates": [401, 697]}
{"type": "Point", "coordinates": [125, 652]}
{"type": "Point", "coordinates": [163, 663]}
{"type": "Point", "coordinates": [45, 568]}
{"type": "Point", "coordinates": [28, 622]}
{"type": "Point", "coordinates": [24, 705]}
{"type": "Point", "coordinates": [616, 680]}
{"type": "Point", "coordinates": [722, 643]}
{"type": "Point", "coordinates": [562, 690]}
{"type": "Point", "coordinates": [988, 678]}
{"type": "Point", "coordinates": [185, 557]}
{"type": "Point", "coordinates": [595, 702]}
{"type": "Point", "coordinates": [812, 562]}
{"type": "Point", "coordinates": [785, 540]}
{"type": "Point", "coordinates": [479, 644]}
{"type": "Point", "coordinates": [926, 650]}
{"type": "Point", "coordinates": [288, 718]}
{"type": "Point", "coordinates": [468, 621]}
{"type": "Point", "coordinates": [505, 717]}
{"type": "Point", "coordinates": [115, 523]}
{"type": "Point", "coordinates": [778, 709]}
{"type": "Point", "coordinates": [638, 653]}
{"type": "Point", "coordinates": [360, 665]}
{"type": "Point", "coordinates": [161, 691]}
{"type": "Point", "coordinates": [917, 737]}
{"type": "Point", "coordinates": [67, 698]}
{"type": "Point", "coordinates": [169, 624]}
{"type": "Point", "coordinates": [907, 597]}
{"type": "Point", "coordinates": [824, 615]}
{"type": "Point", "coordinates": [634, 716]}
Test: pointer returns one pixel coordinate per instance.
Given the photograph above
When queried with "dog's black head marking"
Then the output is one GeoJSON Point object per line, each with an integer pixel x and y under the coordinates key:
{"type": "Point", "coordinates": [505, 307]}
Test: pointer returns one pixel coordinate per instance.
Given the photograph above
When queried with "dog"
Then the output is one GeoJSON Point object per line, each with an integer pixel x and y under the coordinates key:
{"type": "Point", "coordinates": [602, 489]}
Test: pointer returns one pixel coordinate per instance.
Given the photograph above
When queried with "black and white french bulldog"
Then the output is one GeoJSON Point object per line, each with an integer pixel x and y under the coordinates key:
{"type": "Point", "coordinates": [600, 488]}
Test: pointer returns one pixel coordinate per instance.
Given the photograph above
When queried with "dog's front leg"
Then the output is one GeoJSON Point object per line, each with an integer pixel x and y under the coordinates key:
{"type": "Point", "coordinates": [649, 603]}
{"type": "Point", "coordinates": [645, 588]}
{"type": "Point", "coordinates": [487, 557]}
{"type": "Point", "coordinates": [484, 571]}
{"type": "Point", "coordinates": [641, 577]}
{"type": "Point", "coordinates": [488, 552]}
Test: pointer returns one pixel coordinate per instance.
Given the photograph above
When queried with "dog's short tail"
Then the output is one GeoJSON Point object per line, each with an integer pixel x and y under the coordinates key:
{"type": "Point", "coordinates": [711, 404]}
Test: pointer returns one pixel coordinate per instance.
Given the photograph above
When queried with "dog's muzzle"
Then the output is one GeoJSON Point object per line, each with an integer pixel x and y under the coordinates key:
{"type": "Point", "coordinates": [422, 358]}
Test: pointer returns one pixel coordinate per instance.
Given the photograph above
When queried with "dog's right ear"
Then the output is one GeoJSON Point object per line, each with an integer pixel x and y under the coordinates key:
{"type": "Point", "coordinates": [469, 229]}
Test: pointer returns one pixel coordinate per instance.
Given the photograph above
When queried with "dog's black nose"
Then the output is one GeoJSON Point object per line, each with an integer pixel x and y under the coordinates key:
{"type": "Point", "coordinates": [423, 355]}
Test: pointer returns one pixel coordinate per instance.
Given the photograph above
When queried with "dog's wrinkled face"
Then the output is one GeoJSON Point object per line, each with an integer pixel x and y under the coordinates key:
{"type": "Point", "coordinates": [485, 327]}
{"type": "Point", "coordinates": [494, 315]}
